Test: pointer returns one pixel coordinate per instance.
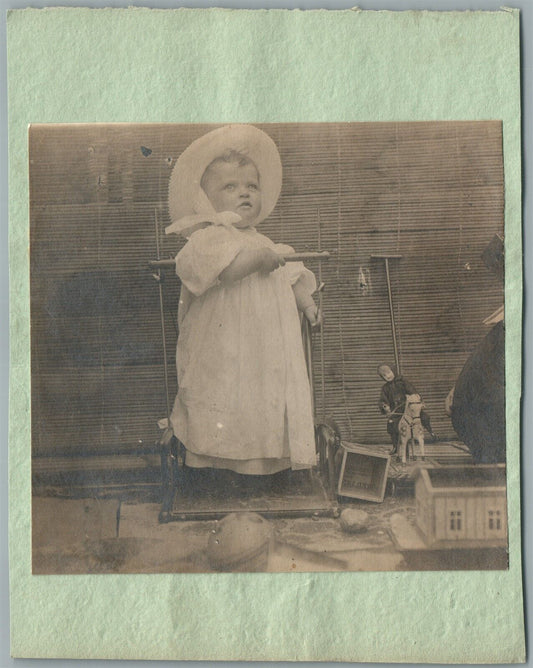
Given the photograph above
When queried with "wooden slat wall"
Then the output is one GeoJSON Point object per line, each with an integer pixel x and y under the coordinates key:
{"type": "Point", "coordinates": [432, 192]}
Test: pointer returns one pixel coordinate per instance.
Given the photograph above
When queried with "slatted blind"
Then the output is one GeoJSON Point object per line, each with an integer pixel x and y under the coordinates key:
{"type": "Point", "coordinates": [430, 192]}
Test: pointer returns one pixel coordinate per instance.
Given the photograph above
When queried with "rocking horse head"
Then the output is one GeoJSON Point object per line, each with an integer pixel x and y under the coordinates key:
{"type": "Point", "coordinates": [413, 406]}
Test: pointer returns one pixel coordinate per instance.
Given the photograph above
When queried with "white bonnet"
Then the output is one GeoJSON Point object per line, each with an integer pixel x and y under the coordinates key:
{"type": "Point", "coordinates": [189, 206]}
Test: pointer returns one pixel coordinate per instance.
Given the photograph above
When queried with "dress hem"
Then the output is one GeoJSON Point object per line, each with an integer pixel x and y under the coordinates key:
{"type": "Point", "coordinates": [244, 466]}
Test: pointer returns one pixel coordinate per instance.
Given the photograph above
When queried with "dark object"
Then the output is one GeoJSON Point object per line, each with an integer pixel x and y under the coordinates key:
{"type": "Point", "coordinates": [209, 494]}
{"type": "Point", "coordinates": [493, 256]}
{"type": "Point", "coordinates": [146, 151]}
{"type": "Point", "coordinates": [478, 411]}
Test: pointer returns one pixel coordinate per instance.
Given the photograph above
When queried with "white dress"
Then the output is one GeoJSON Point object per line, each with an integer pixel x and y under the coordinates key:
{"type": "Point", "coordinates": [244, 398]}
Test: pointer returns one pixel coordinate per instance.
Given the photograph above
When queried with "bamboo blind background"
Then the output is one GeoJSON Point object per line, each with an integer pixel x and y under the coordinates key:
{"type": "Point", "coordinates": [432, 192]}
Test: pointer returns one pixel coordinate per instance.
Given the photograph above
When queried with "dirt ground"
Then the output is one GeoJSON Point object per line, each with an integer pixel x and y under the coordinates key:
{"type": "Point", "coordinates": [118, 529]}
{"type": "Point", "coordinates": [103, 536]}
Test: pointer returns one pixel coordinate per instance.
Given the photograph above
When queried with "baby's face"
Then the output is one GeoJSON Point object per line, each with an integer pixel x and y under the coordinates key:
{"type": "Point", "coordinates": [231, 187]}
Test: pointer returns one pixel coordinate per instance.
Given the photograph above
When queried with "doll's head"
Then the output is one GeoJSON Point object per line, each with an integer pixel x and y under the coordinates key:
{"type": "Point", "coordinates": [232, 183]}
{"type": "Point", "coordinates": [386, 372]}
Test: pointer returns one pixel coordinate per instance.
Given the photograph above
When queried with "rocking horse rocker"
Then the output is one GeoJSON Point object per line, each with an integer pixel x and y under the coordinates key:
{"type": "Point", "coordinates": [411, 429]}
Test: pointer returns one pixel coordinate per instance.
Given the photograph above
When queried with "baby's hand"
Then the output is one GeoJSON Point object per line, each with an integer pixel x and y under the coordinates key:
{"type": "Point", "coordinates": [269, 260]}
{"type": "Point", "coordinates": [314, 316]}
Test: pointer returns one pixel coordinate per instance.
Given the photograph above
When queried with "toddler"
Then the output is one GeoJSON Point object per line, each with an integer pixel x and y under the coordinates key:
{"type": "Point", "coordinates": [244, 399]}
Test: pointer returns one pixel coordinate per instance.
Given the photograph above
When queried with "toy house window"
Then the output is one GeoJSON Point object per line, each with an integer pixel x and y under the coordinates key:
{"type": "Point", "coordinates": [456, 520]}
{"type": "Point", "coordinates": [495, 520]}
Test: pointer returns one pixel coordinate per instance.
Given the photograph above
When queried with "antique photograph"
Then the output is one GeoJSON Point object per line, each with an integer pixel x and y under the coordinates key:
{"type": "Point", "coordinates": [267, 347]}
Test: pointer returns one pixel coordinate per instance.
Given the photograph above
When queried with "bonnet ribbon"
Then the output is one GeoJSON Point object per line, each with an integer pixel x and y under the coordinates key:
{"type": "Point", "coordinates": [203, 213]}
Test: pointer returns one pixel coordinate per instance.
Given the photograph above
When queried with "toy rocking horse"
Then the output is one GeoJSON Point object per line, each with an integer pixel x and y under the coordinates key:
{"type": "Point", "coordinates": [410, 428]}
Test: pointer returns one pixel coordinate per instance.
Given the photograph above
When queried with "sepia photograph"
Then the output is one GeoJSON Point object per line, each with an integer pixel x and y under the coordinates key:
{"type": "Point", "coordinates": [272, 347]}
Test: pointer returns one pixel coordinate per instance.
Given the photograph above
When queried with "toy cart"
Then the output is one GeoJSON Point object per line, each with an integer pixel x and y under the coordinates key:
{"type": "Point", "coordinates": [200, 494]}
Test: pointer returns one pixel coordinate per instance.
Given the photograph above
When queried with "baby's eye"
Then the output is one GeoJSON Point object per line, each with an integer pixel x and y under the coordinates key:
{"type": "Point", "coordinates": [253, 186]}
{"type": "Point", "coordinates": [229, 186]}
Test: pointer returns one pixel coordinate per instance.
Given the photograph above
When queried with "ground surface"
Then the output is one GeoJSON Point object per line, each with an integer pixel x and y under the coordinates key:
{"type": "Point", "coordinates": [79, 536]}
{"type": "Point", "coordinates": [118, 530]}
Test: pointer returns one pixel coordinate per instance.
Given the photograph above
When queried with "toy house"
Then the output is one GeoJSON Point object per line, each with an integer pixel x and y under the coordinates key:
{"type": "Point", "coordinates": [460, 506]}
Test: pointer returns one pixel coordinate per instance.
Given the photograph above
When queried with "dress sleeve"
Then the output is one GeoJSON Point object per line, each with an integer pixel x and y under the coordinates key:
{"type": "Point", "coordinates": [297, 271]}
{"type": "Point", "coordinates": [207, 253]}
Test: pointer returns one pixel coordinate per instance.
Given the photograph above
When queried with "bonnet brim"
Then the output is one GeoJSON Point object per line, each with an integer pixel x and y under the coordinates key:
{"type": "Point", "coordinates": [185, 195]}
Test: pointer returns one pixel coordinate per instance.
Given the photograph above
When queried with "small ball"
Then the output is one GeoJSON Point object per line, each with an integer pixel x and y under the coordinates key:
{"type": "Point", "coordinates": [354, 521]}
